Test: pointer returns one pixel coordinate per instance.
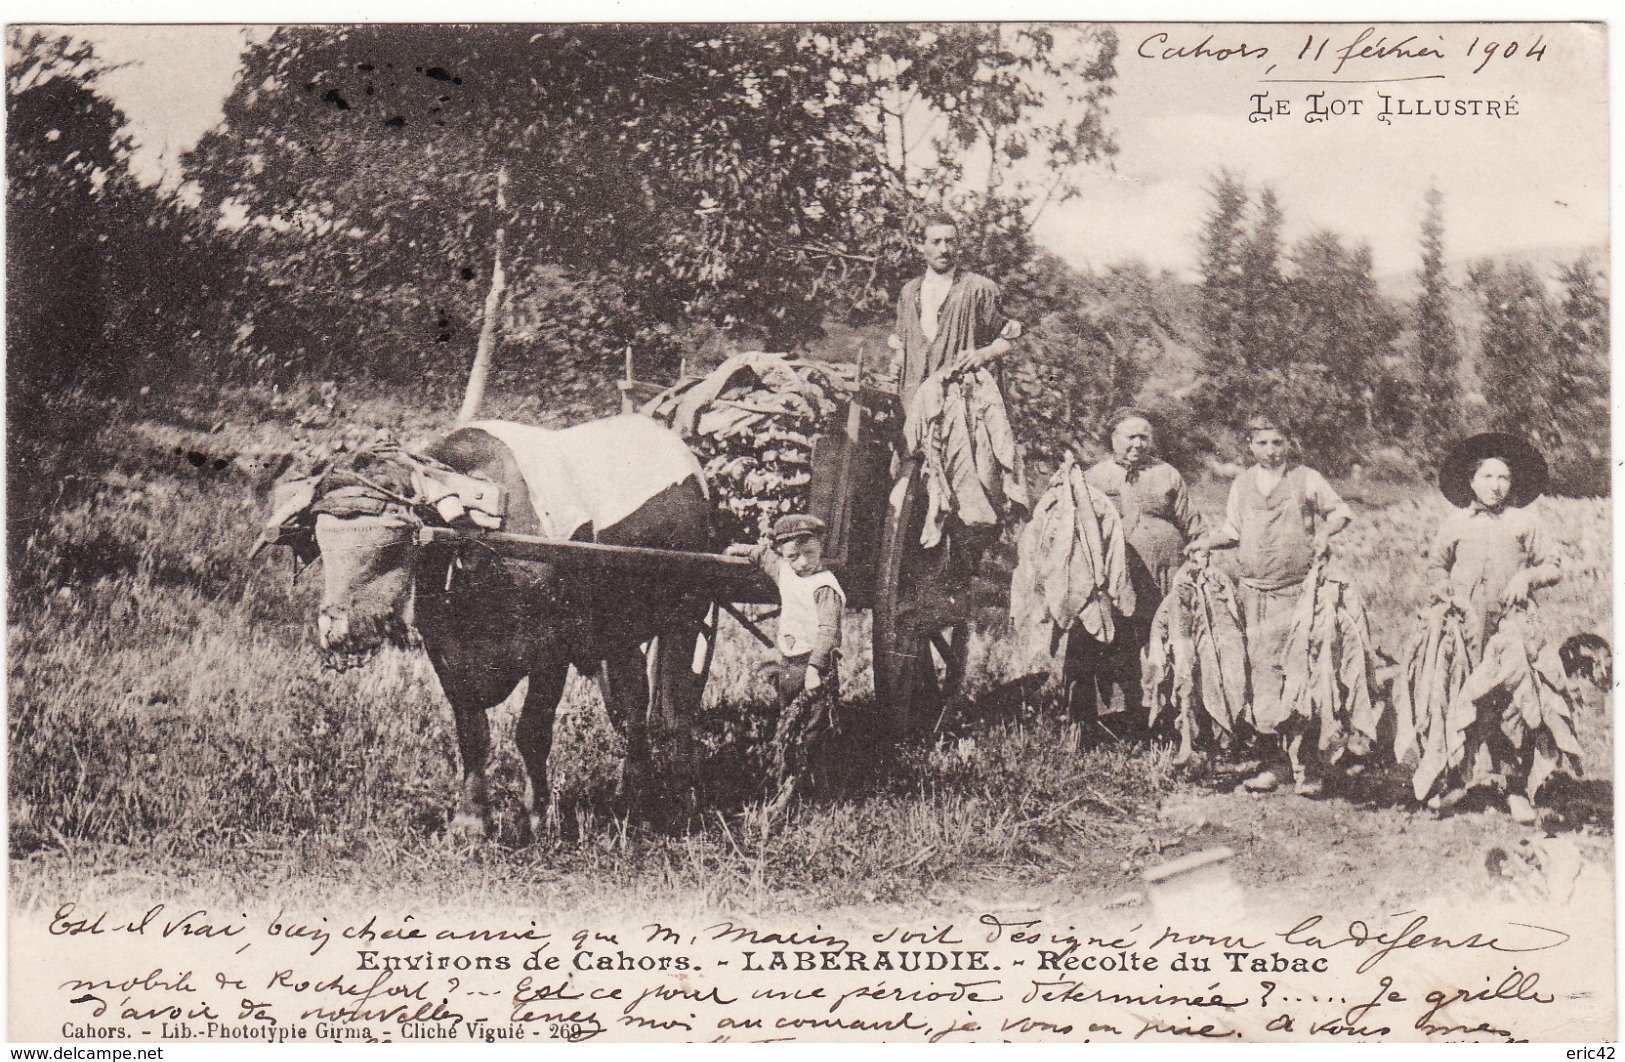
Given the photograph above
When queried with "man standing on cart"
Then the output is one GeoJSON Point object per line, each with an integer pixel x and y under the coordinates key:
{"type": "Point", "coordinates": [947, 317]}
{"type": "Point", "coordinates": [951, 331]}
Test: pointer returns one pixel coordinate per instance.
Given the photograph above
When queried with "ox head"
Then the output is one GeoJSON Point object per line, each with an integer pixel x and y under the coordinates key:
{"type": "Point", "coordinates": [361, 516]}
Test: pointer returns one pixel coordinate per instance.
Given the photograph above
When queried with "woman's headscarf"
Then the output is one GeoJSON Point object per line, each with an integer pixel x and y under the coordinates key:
{"type": "Point", "coordinates": [1122, 413]}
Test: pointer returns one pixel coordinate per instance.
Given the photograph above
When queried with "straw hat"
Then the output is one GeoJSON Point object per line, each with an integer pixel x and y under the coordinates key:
{"type": "Point", "coordinates": [1528, 468]}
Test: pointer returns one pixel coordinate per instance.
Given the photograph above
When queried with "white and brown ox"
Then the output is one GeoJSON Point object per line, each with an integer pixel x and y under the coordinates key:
{"type": "Point", "coordinates": [487, 625]}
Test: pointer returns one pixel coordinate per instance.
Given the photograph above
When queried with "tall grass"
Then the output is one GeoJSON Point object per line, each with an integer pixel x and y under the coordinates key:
{"type": "Point", "coordinates": [169, 721]}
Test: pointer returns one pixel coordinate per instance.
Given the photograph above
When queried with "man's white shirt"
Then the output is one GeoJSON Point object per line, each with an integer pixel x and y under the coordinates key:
{"type": "Point", "coordinates": [933, 293]}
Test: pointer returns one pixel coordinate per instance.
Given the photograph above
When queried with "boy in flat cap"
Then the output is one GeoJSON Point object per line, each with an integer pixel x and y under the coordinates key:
{"type": "Point", "coordinates": [811, 602]}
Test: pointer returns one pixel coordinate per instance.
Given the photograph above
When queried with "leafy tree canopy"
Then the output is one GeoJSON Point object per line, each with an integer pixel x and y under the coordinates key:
{"type": "Point", "coordinates": [749, 179]}
{"type": "Point", "coordinates": [104, 276]}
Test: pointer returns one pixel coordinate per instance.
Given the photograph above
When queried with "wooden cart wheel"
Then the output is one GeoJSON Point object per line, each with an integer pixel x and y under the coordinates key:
{"type": "Point", "coordinates": [920, 631]}
{"type": "Point", "coordinates": [679, 664]}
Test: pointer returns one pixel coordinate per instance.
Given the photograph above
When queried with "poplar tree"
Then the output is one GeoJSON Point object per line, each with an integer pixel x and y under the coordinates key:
{"type": "Point", "coordinates": [1223, 375]}
{"type": "Point", "coordinates": [1436, 350]}
{"type": "Point", "coordinates": [1343, 334]}
{"type": "Point", "coordinates": [1579, 383]}
{"type": "Point", "coordinates": [1265, 309]}
{"type": "Point", "coordinates": [1514, 349]}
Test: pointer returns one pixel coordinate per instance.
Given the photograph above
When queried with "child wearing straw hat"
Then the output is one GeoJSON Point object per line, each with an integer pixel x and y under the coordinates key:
{"type": "Point", "coordinates": [1505, 727]}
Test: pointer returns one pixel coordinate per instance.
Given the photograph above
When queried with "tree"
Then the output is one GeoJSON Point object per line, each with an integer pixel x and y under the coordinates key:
{"type": "Point", "coordinates": [663, 182]}
{"type": "Point", "coordinates": [1544, 366]}
{"type": "Point", "coordinates": [1514, 348]}
{"type": "Point", "coordinates": [65, 146]}
{"type": "Point", "coordinates": [1314, 344]}
{"type": "Point", "coordinates": [1089, 336]}
{"type": "Point", "coordinates": [1224, 367]}
{"type": "Point", "coordinates": [1004, 95]}
{"type": "Point", "coordinates": [1343, 333]}
{"type": "Point", "coordinates": [1262, 290]}
{"type": "Point", "coordinates": [366, 160]}
{"type": "Point", "coordinates": [106, 278]}
{"type": "Point", "coordinates": [1579, 383]}
{"type": "Point", "coordinates": [1436, 356]}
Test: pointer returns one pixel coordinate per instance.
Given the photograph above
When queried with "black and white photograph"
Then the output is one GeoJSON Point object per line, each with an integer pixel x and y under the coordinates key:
{"type": "Point", "coordinates": [788, 531]}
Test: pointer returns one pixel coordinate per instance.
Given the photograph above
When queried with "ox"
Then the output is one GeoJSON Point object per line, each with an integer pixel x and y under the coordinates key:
{"type": "Point", "coordinates": [488, 625]}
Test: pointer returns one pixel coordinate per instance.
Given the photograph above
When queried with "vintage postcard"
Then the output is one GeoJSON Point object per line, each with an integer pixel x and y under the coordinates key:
{"type": "Point", "coordinates": [918, 532]}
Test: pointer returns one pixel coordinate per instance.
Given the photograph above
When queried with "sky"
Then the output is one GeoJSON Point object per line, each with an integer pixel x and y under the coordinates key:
{"type": "Point", "coordinates": [1533, 182]}
{"type": "Point", "coordinates": [171, 83]}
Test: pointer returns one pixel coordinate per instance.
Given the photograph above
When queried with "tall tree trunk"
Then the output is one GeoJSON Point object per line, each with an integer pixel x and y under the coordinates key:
{"type": "Point", "coordinates": [493, 306]}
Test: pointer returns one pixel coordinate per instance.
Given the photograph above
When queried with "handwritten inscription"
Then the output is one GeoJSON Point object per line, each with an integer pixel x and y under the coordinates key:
{"type": "Point", "coordinates": [291, 978]}
{"type": "Point", "coordinates": [1366, 51]}
{"type": "Point", "coordinates": [1413, 933]}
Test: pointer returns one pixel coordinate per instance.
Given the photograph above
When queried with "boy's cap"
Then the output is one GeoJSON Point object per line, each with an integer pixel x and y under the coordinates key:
{"type": "Point", "coordinates": [1526, 464]}
{"type": "Point", "coordinates": [796, 525]}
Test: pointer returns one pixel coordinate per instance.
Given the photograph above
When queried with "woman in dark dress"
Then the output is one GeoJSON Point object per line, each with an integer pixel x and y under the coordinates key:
{"type": "Point", "coordinates": [1152, 499]}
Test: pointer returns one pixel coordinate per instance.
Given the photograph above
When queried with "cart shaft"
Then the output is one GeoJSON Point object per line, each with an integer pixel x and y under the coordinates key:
{"type": "Point", "coordinates": [723, 578]}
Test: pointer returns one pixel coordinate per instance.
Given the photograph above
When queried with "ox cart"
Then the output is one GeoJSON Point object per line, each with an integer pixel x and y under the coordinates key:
{"type": "Point", "coordinates": [918, 597]}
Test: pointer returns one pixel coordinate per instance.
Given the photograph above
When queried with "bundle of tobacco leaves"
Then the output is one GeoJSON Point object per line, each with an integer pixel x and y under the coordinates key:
{"type": "Point", "coordinates": [1071, 568]}
{"type": "Point", "coordinates": [1518, 686]}
{"type": "Point", "coordinates": [751, 422]}
{"type": "Point", "coordinates": [1330, 665]}
{"type": "Point", "coordinates": [1437, 662]}
{"type": "Point", "coordinates": [1196, 660]}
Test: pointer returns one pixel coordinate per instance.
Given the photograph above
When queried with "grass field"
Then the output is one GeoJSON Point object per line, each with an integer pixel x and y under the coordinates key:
{"type": "Point", "coordinates": [171, 730]}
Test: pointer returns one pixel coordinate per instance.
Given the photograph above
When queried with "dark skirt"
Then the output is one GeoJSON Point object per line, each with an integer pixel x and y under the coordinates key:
{"type": "Point", "coordinates": [1103, 678]}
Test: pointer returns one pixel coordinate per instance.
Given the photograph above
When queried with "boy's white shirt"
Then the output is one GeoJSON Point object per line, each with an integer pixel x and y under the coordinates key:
{"type": "Point", "coordinates": [798, 611]}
